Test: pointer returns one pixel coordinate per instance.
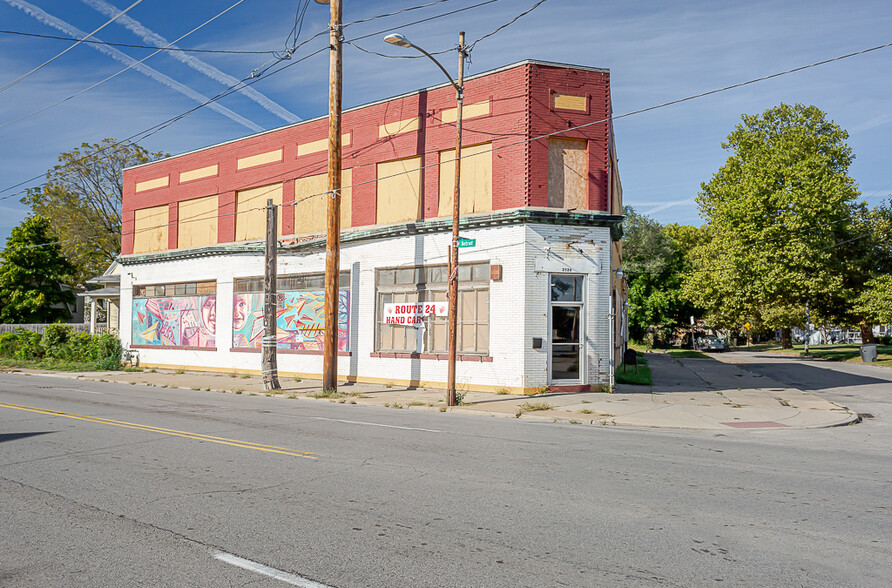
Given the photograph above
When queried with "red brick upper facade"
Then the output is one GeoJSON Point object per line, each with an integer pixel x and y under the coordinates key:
{"type": "Point", "coordinates": [511, 109]}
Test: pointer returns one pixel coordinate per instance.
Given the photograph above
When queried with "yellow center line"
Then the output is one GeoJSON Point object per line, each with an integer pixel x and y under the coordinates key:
{"type": "Point", "coordinates": [162, 431]}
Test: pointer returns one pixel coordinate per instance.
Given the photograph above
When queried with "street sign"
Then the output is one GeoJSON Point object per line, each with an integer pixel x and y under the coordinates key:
{"type": "Point", "coordinates": [463, 242]}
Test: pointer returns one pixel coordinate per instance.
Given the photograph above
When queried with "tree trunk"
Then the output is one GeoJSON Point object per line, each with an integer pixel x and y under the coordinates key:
{"type": "Point", "coordinates": [867, 333]}
{"type": "Point", "coordinates": [786, 338]}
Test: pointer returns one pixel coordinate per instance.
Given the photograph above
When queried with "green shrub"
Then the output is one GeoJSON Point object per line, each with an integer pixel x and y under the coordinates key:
{"type": "Point", "coordinates": [61, 343]}
{"type": "Point", "coordinates": [55, 338]}
{"type": "Point", "coordinates": [29, 346]}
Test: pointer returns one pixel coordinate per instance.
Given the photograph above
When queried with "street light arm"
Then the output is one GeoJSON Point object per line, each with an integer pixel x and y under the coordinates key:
{"type": "Point", "coordinates": [404, 42]}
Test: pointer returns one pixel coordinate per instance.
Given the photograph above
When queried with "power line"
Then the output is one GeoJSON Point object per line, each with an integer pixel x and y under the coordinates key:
{"type": "Point", "coordinates": [133, 46]}
{"type": "Point", "coordinates": [156, 128]}
{"type": "Point", "coordinates": [116, 74]}
{"type": "Point", "coordinates": [67, 49]}
{"type": "Point", "coordinates": [255, 77]}
{"type": "Point", "coordinates": [507, 24]}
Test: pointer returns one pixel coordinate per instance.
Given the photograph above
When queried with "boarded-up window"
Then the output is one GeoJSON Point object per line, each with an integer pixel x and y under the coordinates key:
{"type": "Point", "coordinates": [150, 229]}
{"type": "Point", "coordinates": [399, 190]}
{"type": "Point", "coordinates": [311, 202]}
{"type": "Point", "coordinates": [567, 173]}
{"type": "Point", "coordinates": [476, 179]}
{"type": "Point", "coordinates": [197, 222]}
{"type": "Point", "coordinates": [250, 220]}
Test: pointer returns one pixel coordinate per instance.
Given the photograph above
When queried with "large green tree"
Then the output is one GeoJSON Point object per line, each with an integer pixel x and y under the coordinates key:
{"type": "Point", "coordinates": [653, 261]}
{"type": "Point", "coordinates": [32, 275]}
{"type": "Point", "coordinates": [776, 212]}
{"type": "Point", "coordinates": [82, 199]}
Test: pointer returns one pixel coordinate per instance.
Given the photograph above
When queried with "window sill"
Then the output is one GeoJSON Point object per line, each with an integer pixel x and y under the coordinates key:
{"type": "Point", "coordinates": [439, 356]}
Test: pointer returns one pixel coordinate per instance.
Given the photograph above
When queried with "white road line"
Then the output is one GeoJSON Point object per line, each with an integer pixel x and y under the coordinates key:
{"type": "Point", "coordinates": [79, 390]}
{"type": "Point", "coordinates": [377, 425]}
{"type": "Point", "coordinates": [253, 566]}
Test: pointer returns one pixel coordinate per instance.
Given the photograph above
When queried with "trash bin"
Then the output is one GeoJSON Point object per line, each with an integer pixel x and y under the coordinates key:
{"type": "Point", "coordinates": [869, 352]}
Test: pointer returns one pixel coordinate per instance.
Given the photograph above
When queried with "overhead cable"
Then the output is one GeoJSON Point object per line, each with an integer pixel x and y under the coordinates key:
{"type": "Point", "coordinates": [67, 49]}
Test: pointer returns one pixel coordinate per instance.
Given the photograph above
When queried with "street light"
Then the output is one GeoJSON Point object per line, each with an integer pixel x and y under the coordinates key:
{"type": "Point", "coordinates": [402, 41]}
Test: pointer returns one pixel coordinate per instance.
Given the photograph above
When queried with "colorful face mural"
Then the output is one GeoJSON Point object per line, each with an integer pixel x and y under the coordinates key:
{"type": "Point", "coordinates": [300, 320]}
{"type": "Point", "coordinates": [182, 321]}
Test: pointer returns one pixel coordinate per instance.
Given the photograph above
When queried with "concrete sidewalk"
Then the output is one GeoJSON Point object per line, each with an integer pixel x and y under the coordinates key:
{"type": "Point", "coordinates": [691, 394]}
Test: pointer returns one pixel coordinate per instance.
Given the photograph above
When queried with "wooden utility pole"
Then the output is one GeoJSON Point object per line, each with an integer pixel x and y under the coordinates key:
{"type": "Point", "coordinates": [270, 368]}
{"type": "Point", "coordinates": [456, 212]}
{"type": "Point", "coordinates": [333, 240]}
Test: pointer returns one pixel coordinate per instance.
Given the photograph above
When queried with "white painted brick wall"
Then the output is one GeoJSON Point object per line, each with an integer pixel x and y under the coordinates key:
{"type": "Point", "coordinates": [518, 304]}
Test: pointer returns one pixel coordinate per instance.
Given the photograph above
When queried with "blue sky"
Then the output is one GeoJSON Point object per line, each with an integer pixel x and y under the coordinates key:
{"type": "Point", "coordinates": [657, 51]}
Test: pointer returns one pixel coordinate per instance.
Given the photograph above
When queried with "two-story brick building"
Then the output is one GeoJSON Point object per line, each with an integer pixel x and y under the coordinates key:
{"type": "Point", "coordinates": [540, 301]}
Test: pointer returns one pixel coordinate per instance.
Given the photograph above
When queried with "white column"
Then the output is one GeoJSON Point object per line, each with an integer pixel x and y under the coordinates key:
{"type": "Point", "coordinates": [92, 316]}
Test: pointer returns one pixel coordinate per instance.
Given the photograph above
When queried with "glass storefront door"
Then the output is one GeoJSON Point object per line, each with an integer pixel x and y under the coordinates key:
{"type": "Point", "coordinates": [565, 328]}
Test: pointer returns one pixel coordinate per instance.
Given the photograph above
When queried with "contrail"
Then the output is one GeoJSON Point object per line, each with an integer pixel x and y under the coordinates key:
{"type": "Point", "coordinates": [207, 69]}
{"type": "Point", "coordinates": [117, 55]}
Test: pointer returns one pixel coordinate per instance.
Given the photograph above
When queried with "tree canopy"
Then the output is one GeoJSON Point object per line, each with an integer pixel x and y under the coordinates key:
{"type": "Point", "coordinates": [779, 213]}
{"type": "Point", "coordinates": [82, 199]}
{"type": "Point", "coordinates": [654, 258]}
{"type": "Point", "coordinates": [32, 274]}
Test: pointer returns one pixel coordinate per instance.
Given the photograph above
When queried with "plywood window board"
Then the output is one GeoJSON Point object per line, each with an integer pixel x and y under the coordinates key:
{"type": "Point", "coordinates": [197, 222]}
{"type": "Point", "coordinates": [567, 173]}
{"type": "Point", "coordinates": [569, 102]}
{"type": "Point", "coordinates": [250, 218]}
{"type": "Point", "coordinates": [150, 229]}
{"type": "Point", "coordinates": [398, 190]}
{"type": "Point", "coordinates": [311, 203]}
{"type": "Point", "coordinates": [476, 180]}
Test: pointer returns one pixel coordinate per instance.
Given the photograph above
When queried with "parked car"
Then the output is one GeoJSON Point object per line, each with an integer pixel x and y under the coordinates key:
{"type": "Point", "coordinates": [711, 344]}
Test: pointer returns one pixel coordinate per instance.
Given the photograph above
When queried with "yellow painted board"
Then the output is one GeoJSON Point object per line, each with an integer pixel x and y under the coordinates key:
{"type": "Point", "coordinates": [151, 184]}
{"type": "Point", "coordinates": [197, 222]}
{"type": "Point", "coordinates": [259, 159]}
{"type": "Point", "coordinates": [150, 229]}
{"type": "Point", "coordinates": [311, 203]}
{"type": "Point", "coordinates": [320, 145]}
{"type": "Point", "coordinates": [468, 111]}
{"type": "Point", "coordinates": [399, 126]}
{"type": "Point", "coordinates": [250, 219]}
{"type": "Point", "coordinates": [570, 102]}
{"type": "Point", "coordinates": [476, 180]}
{"type": "Point", "coordinates": [399, 190]}
{"type": "Point", "coordinates": [197, 174]}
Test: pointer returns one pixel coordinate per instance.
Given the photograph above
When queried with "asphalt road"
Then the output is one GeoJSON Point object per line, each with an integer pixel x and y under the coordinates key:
{"type": "Point", "coordinates": [130, 485]}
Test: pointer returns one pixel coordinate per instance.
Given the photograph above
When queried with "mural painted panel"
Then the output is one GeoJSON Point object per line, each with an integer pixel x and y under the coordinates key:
{"type": "Point", "coordinates": [300, 320]}
{"type": "Point", "coordinates": [181, 321]}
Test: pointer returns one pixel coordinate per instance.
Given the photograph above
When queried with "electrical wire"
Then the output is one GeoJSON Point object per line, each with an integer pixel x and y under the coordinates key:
{"type": "Point", "coordinates": [116, 74]}
{"type": "Point", "coordinates": [133, 46]}
{"type": "Point", "coordinates": [255, 77]}
{"type": "Point", "coordinates": [507, 24]}
{"type": "Point", "coordinates": [67, 49]}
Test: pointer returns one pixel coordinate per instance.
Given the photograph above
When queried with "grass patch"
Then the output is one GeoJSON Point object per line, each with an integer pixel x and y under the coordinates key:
{"type": "Point", "coordinates": [527, 407]}
{"type": "Point", "coordinates": [49, 363]}
{"type": "Point", "coordinates": [642, 378]}
{"type": "Point", "coordinates": [328, 394]}
{"type": "Point", "coordinates": [837, 352]}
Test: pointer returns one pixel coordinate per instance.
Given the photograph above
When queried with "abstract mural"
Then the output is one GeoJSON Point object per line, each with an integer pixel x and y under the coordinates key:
{"type": "Point", "coordinates": [300, 320]}
{"type": "Point", "coordinates": [181, 321]}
